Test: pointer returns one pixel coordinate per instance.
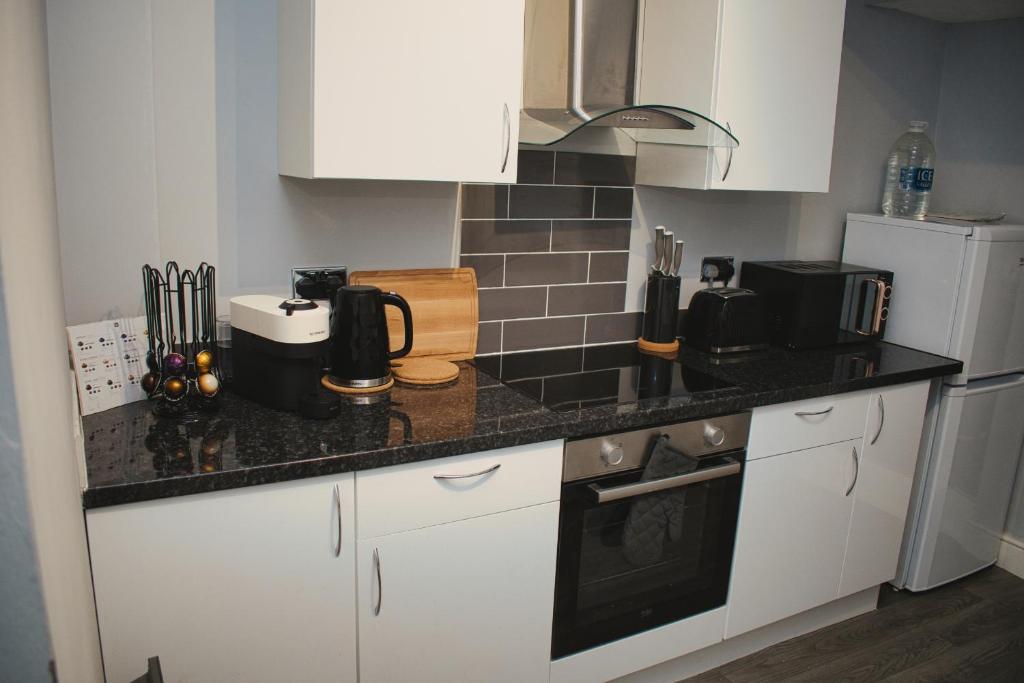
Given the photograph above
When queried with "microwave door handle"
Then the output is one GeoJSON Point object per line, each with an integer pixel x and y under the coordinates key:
{"type": "Point", "coordinates": [601, 494]}
{"type": "Point", "coordinates": [876, 312]}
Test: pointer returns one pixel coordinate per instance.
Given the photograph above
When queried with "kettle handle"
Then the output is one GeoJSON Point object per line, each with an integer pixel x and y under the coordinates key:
{"type": "Point", "coordinates": [393, 299]}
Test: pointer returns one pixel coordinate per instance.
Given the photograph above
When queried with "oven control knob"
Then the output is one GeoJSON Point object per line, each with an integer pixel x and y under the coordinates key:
{"type": "Point", "coordinates": [713, 436]}
{"type": "Point", "coordinates": [611, 453]}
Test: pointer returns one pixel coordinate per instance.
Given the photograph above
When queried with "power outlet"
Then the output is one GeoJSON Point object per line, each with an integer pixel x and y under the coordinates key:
{"type": "Point", "coordinates": [318, 282]}
{"type": "Point", "coordinates": [717, 269]}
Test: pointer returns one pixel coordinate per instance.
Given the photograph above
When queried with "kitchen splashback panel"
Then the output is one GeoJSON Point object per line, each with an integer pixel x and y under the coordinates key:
{"type": "Point", "coordinates": [551, 252]}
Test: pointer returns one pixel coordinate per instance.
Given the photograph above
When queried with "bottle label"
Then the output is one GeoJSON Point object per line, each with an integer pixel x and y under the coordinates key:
{"type": "Point", "coordinates": [916, 179]}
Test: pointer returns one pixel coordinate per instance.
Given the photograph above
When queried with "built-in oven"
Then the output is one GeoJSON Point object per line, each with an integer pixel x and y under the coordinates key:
{"type": "Point", "coordinates": [646, 529]}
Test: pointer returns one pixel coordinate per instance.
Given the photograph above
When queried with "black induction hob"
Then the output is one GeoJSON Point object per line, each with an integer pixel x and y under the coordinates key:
{"type": "Point", "coordinates": [571, 379]}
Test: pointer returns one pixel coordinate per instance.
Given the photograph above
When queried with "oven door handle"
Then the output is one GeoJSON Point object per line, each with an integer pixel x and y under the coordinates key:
{"type": "Point", "coordinates": [606, 495]}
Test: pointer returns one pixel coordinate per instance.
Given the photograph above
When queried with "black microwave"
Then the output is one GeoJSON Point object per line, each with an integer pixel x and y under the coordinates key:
{"type": "Point", "coordinates": [820, 303]}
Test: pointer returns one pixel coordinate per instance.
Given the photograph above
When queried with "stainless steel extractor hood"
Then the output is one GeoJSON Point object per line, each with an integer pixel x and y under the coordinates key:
{"type": "Point", "coordinates": [579, 70]}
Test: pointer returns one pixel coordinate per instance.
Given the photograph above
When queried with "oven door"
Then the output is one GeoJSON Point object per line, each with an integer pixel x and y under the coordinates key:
{"type": "Point", "coordinates": [634, 553]}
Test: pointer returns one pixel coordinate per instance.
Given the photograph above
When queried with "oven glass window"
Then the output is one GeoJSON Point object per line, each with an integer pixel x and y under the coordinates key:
{"type": "Point", "coordinates": [643, 561]}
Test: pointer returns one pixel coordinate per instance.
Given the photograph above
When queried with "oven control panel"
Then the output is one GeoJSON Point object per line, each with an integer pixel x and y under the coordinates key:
{"type": "Point", "coordinates": [621, 451]}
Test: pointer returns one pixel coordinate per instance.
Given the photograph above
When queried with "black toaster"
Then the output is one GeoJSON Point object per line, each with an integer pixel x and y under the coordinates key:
{"type": "Point", "coordinates": [726, 320]}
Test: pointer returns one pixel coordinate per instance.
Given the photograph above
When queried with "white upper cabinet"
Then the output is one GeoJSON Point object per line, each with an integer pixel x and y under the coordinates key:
{"type": "Point", "coordinates": [400, 90]}
{"type": "Point", "coordinates": [770, 70]}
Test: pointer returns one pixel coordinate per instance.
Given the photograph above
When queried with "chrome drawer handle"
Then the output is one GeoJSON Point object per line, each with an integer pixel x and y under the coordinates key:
{"type": "Point", "coordinates": [605, 495]}
{"type": "Point", "coordinates": [481, 473]}
{"type": "Point", "coordinates": [881, 419]}
{"type": "Point", "coordinates": [337, 503]}
{"type": "Point", "coordinates": [380, 584]}
{"type": "Point", "coordinates": [804, 413]}
{"type": "Point", "coordinates": [856, 471]}
{"type": "Point", "coordinates": [506, 126]}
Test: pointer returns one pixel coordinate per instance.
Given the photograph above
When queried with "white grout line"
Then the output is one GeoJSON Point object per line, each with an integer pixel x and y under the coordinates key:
{"type": "Point", "coordinates": [593, 204]}
{"type": "Point", "coordinates": [587, 219]}
{"type": "Point", "coordinates": [548, 253]}
{"type": "Point", "coordinates": [556, 284]}
{"type": "Point", "coordinates": [551, 236]}
{"type": "Point", "coordinates": [547, 300]}
{"type": "Point", "coordinates": [555, 348]}
{"type": "Point", "coordinates": [590, 256]}
{"type": "Point", "coordinates": [504, 269]}
{"type": "Point", "coordinates": [554, 165]}
{"type": "Point", "coordinates": [611, 187]}
{"type": "Point", "coordinates": [508, 201]}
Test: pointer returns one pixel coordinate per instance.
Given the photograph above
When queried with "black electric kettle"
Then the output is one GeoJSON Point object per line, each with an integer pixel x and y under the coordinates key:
{"type": "Point", "coordinates": [359, 336]}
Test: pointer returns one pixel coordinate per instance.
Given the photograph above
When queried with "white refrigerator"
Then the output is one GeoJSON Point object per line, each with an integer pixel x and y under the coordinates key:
{"type": "Point", "coordinates": [958, 291]}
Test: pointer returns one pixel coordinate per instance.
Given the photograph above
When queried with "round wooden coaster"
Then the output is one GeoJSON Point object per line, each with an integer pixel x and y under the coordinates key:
{"type": "Point", "coordinates": [424, 371]}
{"type": "Point", "coordinates": [656, 347]}
{"type": "Point", "coordinates": [326, 382]}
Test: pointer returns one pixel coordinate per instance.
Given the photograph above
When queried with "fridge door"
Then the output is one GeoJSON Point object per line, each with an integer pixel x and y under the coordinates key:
{"type": "Point", "coordinates": [989, 331]}
{"type": "Point", "coordinates": [968, 481]}
{"type": "Point", "coordinates": [926, 260]}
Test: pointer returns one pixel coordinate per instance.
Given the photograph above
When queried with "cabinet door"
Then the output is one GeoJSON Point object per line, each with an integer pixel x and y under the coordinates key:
{"type": "Point", "coordinates": [465, 601]}
{"type": "Point", "coordinates": [767, 70]}
{"type": "Point", "coordinates": [882, 490]}
{"type": "Point", "coordinates": [778, 77]}
{"type": "Point", "coordinates": [791, 538]}
{"type": "Point", "coordinates": [417, 90]}
{"type": "Point", "coordinates": [241, 585]}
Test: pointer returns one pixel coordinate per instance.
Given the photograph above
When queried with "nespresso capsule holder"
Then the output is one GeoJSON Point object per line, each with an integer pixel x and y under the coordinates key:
{"type": "Point", "coordinates": [184, 377]}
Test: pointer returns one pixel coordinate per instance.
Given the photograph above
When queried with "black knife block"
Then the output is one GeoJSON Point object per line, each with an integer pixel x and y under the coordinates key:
{"type": "Point", "coordinates": [661, 308]}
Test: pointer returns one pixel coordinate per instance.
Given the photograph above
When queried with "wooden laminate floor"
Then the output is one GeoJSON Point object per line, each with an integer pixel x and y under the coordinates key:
{"type": "Point", "coordinates": [970, 630]}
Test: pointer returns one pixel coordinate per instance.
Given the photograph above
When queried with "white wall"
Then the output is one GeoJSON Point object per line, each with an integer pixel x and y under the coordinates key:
{"type": "Point", "coordinates": [164, 116]}
{"type": "Point", "coordinates": [35, 350]}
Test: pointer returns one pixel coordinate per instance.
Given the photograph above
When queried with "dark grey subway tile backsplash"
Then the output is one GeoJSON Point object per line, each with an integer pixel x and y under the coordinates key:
{"type": "Point", "coordinates": [590, 235]}
{"type": "Point", "coordinates": [551, 252]}
{"type": "Point", "coordinates": [550, 201]}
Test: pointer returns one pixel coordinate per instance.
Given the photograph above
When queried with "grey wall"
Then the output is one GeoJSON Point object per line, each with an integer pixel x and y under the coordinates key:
{"type": "Point", "coordinates": [890, 73]}
{"type": "Point", "coordinates": [165, 146]}
{"type": "Point", "coordinates": [24, 637]}
{"type": "Point", "coordinates": [979, 141]}
{"type": "Point", "coordinates": [269, 223]}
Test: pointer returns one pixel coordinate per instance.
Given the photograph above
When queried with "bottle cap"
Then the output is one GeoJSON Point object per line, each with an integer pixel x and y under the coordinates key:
{"type": "Point", "coordinates": [918, 126]}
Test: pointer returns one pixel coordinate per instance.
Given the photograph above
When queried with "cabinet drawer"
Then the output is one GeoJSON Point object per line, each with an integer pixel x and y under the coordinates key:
{"type": "Point", "coordinates": [422, 494]}
{"type": "Point", "coordinates": [806, 424]}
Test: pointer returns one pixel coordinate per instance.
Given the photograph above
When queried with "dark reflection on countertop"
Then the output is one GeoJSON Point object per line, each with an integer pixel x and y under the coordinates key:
{"type": "Point", "coordinates": [132, 455]}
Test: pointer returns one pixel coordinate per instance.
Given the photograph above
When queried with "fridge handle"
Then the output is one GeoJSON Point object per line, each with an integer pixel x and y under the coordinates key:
{"type": "Point", "coordinates": [985, 386]}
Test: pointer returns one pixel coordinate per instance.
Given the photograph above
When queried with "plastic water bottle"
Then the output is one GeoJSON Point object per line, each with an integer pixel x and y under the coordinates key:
{"type": "Point", "coordinates": [909, 174]}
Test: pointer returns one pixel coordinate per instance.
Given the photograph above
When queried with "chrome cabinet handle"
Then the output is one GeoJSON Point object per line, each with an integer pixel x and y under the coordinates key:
{"type": "Point", "coordinates": [481, 473]}
{"type": "Point", "coordinates": [804, 413]}
{"type": "Point", "coordinates": [881, 419]}
{"type": "Point", "coordinates": [856, 471]}
{"type": "Point", "coordinates": [506, 123]}
{"type": "Point", "coordinates": [380, 584]}
{"type": "Point", "coordinates": [728, 161]}
{"type": "Point", "coordinates": [604, 495]}
{"type": "Point", "coordinates": [337, 504]}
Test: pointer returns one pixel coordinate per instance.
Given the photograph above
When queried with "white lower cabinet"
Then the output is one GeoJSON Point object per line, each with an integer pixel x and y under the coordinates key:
{"type": "Point", "coordinates": [464, 601]}
{"type": "Point", "coordinates": [791, 537]}
{"type": "Point", "coordinates": [884, 483]}
{"type": "Point", "coordinates": [253, 584]}
{"type": "Point", "coordinates": [825, 522]}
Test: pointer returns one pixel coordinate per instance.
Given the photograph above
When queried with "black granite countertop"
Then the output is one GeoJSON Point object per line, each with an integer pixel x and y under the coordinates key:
{"type": "Point", "coordinates": [132, 455]}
